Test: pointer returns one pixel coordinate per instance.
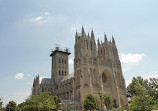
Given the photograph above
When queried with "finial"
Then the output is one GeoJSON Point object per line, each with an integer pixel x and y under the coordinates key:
{"type": "Point", "coordinates": [113, 40]}
{"type": "Point", "coordinates": [76, 34]}
{"type": "Point", "coordinates": [92, 35]}
{"type": "Point", "coordinates": [105, 38]}
{"type": "Point", "coordinates": [83, 31]}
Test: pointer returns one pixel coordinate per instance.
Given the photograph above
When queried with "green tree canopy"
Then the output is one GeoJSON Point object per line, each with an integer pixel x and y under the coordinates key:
{"type": "Point", "coordinates": [107, 100]}
{"type": "Point", "coordinates": [11, 106]}
{"type": "Point", "coordinates": [42, 102]}
{"type": "Point", "coordinates": [90, 102]}
{"type": "Point", "coordinates": [151, 86]}
{"type": "Point", "coordinates": [142, 101]}
{"type": "Point", "coordinates": [143, 94]}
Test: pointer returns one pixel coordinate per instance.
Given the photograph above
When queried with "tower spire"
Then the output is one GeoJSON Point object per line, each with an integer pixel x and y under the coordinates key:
{"type": "Point", "coordinates": [92, 35]}
{"type": "Point", "coordinates": [76, 36]}
{"type": "Point", "coordinates": [105, 38]}
{"type": "Point", "coordinates": [83, 33]}
{"type": "Point", "coordinates": [113, 40]}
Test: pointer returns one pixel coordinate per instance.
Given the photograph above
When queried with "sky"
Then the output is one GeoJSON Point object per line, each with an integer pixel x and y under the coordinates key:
{"type": "Point", "coordinates": [31, 29]}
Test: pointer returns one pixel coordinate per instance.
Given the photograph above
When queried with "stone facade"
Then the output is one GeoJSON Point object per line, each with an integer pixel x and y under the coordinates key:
{"type": "Point", "coordinates": [97, 68]}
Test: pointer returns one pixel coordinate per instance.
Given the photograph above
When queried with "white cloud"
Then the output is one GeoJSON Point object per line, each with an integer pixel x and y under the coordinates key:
{"type": "Point", "coordinates": [71, 61]}
{"type": "Point", "coordinates": [37, 19]}
{"type": "Point", "coordinates": [41, 19]}
{"type": "Point", "coordinates": [19, 76]}
{"type": "Point", "coordinates": [131, 58]}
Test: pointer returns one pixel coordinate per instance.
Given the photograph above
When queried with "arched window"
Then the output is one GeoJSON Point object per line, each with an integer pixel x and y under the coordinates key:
{"type": "Point", "coordinates": [104, 78]}
{"type": "Point", "coordinates": [62, 73]}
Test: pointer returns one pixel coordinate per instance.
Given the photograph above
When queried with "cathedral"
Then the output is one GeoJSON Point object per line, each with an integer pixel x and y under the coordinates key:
{"type": "Point", "coordinates": [97, 70]}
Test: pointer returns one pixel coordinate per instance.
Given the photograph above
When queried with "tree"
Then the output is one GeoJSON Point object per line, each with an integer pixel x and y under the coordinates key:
{"type": "Point", "coordinates": [1, 103]}
{"type": "Point", "coordinates": [90, 102]}
{"type": "Point", "coordinates": [42, 102]}
{"type": "Point", "coordinates": [143, 94]}
{"type": "Point", "coordinates": [107, 100]}
{"type": "Point", "coordinates": [141, 101]}
{"type": "Point", "coordinates": [11, 106]}
{"type": "Point", "coordinates": [115, 104]}
{"type": "Point", "coordinates": [57, 100]}
{"type": "Point", "coordinates": [150, 85]}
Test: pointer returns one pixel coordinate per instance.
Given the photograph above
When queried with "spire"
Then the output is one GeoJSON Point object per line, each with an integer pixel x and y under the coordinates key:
{"type": "Point", "coordinates": [38, 76]}
{"type": "Point", "coordinates": [113, 41]}
{"type": "Point", "coordinates": [76, 33]}
{"type": "Point", "coordinates": [83, 33]}
{"type": "Point", "coordinates": [92, 35]}
{"type": "Point", "coordinates": [98, 42]}
{"type": "Point", "coordinates": [105, 38]}
{"type": "Point", "coordinates": [76, 36]}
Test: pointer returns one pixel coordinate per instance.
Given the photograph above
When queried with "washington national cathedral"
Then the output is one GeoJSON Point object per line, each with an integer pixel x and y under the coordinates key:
{"type": "Point", "coordinates": [97, 68]}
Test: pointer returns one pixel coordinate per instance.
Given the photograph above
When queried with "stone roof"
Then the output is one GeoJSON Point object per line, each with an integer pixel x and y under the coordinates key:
{"type": "Point", "coordinates": [45, 81]}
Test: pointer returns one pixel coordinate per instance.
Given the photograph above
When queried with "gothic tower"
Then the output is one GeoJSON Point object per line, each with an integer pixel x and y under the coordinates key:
{"type": "Point", "coordinates": [97, 69]}
{"type": "Point", "coordinates": [60, 65]}
{"type": "Point", "coordinates": [85, 65]}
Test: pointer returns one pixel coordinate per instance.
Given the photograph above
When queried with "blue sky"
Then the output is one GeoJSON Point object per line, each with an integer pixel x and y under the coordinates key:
{"type": "Point", "coordinates": [30, 29]}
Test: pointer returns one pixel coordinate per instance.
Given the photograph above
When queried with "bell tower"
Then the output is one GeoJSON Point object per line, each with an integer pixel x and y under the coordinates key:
{"type": "Point", "coordinates": [60, 65]}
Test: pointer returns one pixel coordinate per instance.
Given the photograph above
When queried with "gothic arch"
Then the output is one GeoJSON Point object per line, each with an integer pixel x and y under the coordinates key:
{"type": "Point", "coordinates": [106, 77]}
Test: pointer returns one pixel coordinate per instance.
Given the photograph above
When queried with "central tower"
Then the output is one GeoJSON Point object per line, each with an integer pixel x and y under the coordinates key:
{"type": "Point", "coordinates": [60, 65]}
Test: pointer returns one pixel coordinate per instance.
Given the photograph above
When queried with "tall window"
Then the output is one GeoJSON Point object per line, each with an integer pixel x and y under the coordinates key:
{"type": "Point", "coordinates": [62, 61]}
{"type": "Point", "coordinates": [65, 61]}
{"type": "Point", "coordinates": [62, 73]}
{"type": "Point", "coordinates": [65, 73]}
{"type": "Point", "coordinates": [59, 72]}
